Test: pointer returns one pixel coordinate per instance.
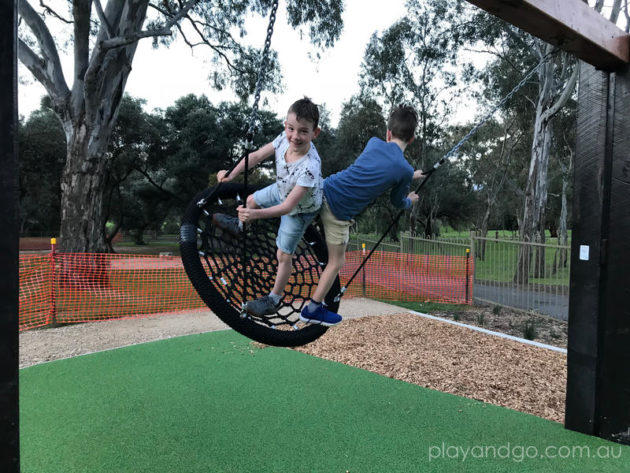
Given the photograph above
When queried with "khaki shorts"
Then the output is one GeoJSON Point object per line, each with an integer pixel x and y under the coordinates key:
{"type": "Point", "coordinates": [337, 232]}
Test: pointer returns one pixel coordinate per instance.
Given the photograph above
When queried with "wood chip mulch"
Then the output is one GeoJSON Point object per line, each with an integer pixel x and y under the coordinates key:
{"type": "Point", "coordinates": [451, 359]}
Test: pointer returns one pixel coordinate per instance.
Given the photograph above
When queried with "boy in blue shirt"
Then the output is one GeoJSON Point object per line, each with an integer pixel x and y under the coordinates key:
{"type": "Point", "coordinates": [380, 167]}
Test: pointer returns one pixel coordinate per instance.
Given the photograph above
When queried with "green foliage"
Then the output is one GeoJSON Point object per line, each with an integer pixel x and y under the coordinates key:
{"type": "Point", "coordinates": [414, 61]}
{"type": "Point", "coordinates": [361, 119]}
{"type": "Point", "coordinates": [42, 154]}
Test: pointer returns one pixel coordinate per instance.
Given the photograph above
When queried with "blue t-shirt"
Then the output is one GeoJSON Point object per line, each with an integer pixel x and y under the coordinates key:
{"type": "Point", "coordinates": [379, 167]}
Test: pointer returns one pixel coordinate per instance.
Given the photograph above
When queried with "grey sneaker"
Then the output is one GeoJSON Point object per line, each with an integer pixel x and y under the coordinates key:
{"type": "Point", "coordinates": [262, 306]}
{"type": "Point", "coordinates": [228, 224]}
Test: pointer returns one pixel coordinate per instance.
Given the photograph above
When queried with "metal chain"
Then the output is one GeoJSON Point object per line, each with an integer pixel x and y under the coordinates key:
{"type": "Point", "coordinates": [249, 144]}
{"type": "Point", "coordinates": [249, 137]}
{"type": "Point", "coordinates": [261, 72]}
{"type": "Point", "coordinates": [489, 115]}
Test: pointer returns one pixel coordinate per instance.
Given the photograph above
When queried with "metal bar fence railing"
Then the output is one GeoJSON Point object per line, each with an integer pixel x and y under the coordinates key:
{"type": "Point", "coordinates": [528, 276]}
{"type": "Point", "coordinates": [496, 277]}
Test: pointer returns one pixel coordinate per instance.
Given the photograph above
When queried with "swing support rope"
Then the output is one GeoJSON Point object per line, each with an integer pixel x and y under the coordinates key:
{"type": "Point", "coordinates": [445, 158]}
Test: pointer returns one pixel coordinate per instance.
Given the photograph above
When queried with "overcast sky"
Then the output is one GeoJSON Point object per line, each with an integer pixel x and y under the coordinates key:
{"type": "Point", "coordinates": [162, 76]}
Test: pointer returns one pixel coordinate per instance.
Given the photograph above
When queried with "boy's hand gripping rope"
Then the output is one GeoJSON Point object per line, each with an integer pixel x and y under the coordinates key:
{"type": "Point", "coordinates": [448, 155]}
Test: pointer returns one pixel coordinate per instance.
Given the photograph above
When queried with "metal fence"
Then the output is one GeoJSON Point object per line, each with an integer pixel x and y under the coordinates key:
{"type": "Point", "coordinates": [539, 283]}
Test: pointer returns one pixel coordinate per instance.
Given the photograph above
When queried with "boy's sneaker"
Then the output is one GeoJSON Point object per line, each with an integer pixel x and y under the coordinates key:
{"type": "Point", "coordinates": [262, 306]}
{"type": "Point", "coordinates": [228, 224]}
{"type": "Point", "coordinates": [321, 316]}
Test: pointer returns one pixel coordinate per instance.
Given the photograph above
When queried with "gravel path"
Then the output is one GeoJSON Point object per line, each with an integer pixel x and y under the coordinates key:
{"type": "Point", "coordinates": [39, 346]}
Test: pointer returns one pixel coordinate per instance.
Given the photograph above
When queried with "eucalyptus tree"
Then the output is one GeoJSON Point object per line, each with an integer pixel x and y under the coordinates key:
{"type": "Point", "coordinates": [554, 85]}
{"type": "Point", "coordinates": [416, 61]}
{"type": "Point", "coordinates": [103, 42]}
{"type": "Point", "coordinates": [490, 157]}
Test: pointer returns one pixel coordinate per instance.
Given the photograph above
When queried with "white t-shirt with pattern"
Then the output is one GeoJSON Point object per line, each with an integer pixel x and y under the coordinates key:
{"type": "Point", "coordinates": [306, 172]}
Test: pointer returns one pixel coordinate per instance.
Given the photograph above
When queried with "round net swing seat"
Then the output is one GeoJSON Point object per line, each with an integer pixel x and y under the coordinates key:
{"type": "Point", "coordinates": [213, 260]}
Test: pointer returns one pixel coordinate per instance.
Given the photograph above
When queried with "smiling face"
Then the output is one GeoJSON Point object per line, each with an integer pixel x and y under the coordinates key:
{"type": "Point", "coordinates": [300, 133]}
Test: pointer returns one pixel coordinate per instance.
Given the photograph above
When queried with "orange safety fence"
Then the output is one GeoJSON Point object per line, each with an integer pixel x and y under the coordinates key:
{"type": "Point", "coordinates": [60, 288]}
{"type": "Point", "coordinates": [81, 287]}
{"type": "Point", "coordinates": [408, 277]}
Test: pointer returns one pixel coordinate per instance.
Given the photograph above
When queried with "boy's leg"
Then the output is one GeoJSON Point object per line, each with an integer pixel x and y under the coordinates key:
{"type": "Point", "coordinates": [337, 235]}
{"type": "Point", "coordinates": [285, 266]}
{"type": "Point", "coordinates": [290, 233]}
{"type": "Point", "coordinates": [250, 203]}
{"type": "Point", "coordinates": [336, 259]}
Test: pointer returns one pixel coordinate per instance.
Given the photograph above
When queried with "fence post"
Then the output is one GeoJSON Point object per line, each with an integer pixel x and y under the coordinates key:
{"type": "Point", "coordinates": [363, 270]}
{"type": "Point", "coordinates": [467, 272]}
{"type": "Point", "coordinates": [53, 280]}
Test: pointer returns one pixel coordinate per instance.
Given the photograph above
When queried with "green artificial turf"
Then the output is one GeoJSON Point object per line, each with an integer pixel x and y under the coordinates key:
{"type": "Point", "coordinates": [214, 403]}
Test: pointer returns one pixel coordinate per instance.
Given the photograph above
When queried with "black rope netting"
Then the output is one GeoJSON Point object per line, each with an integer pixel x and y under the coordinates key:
{"type": "Point", "coordinates": [214, 262]}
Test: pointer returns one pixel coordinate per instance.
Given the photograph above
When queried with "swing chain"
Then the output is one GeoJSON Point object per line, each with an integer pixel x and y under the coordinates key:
{"type": "Point", "coordinates": [487, 117]}
{"type": "Point", "coordinates": [261, 73]}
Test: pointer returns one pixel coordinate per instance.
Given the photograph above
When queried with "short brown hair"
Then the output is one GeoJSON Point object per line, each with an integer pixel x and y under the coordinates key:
{"type": "Point", "coordinates": [305, 109]}
{"type": "Point", "coordinates": [402, 122]}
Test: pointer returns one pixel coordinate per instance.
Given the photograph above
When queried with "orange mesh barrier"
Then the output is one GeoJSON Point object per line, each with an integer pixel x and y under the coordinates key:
{"type": "Point", "coordinates": [77, 287]}
{"type": "Point", "coordinates": [407, 277]}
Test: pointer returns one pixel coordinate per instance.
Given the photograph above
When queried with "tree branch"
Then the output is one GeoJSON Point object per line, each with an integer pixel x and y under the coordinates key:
{"type": "Point", "coordinates": [564, 97]}
{"type": "Point", "coordinates": [48, 66]}
{"type": "Point", "coordinates": [156, 185]}
{"type": "Point", "coordinates": [34, 64]}
{"type": "Point", "coordinates": [164, 30]}
{"type": "Point", "coordinates": [103, 18]}
{"type": "Point", "coordinates": [52, 12]}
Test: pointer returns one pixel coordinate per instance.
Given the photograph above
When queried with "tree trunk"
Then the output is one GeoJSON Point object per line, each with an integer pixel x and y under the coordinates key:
{"type": "Point", "coordinates": [532, 224]}
{"type": "Point", "coordinates": [82, 186]}
{"type": "Point", "coordinates": [563, 233]}
{"type": "Point", "coordinates": [481, 254]}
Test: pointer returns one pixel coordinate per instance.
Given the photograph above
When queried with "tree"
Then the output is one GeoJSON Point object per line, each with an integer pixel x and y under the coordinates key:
{"type": "Point", "coordinates": [138, 155]}
{"type": "Point", "coordinates": [490, 157]}
{"type": "Point", "coordinates": [414, 61]}
{"type": "Point", "coordinates": [42, 154]}
{"type": "Point", "coordinates": [361, 118]}
{"type": "Point", "coordinates": [104, 43]}
{"type": "Point", "coordinates": [556, 78]}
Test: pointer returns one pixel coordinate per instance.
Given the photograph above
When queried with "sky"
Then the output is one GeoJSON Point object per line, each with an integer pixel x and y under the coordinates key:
{"type": "Point", "coordinates": [164, 75]}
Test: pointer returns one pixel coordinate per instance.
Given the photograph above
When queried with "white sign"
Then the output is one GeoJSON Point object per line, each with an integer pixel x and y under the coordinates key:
{"type": "Point", "coordinates": [584, 249]}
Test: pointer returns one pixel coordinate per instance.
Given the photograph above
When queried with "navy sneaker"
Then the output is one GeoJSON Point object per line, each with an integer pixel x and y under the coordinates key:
{"type": "Point", "coordinates": [321, 316]}
{"type": "Point", "coordinates": [262, 306]}
{"type": "Point", "coordinates": [228, 224]}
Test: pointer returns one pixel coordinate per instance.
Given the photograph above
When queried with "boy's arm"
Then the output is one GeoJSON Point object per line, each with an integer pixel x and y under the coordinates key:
{"type": "Point", "coordinates": [399, 197]}
{"type": "Point", "coordinates": [254, 158]}
{"type": "Point", "coordinates": [294, 197]}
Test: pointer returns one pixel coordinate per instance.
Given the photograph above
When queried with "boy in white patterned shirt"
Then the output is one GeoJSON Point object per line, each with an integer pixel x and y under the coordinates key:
{"type": "Point", "coordinates": [296, 196]}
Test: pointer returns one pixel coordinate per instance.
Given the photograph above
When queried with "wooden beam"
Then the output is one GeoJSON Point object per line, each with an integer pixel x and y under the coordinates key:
{"type": "Point", "coordinates": [570, 24]}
